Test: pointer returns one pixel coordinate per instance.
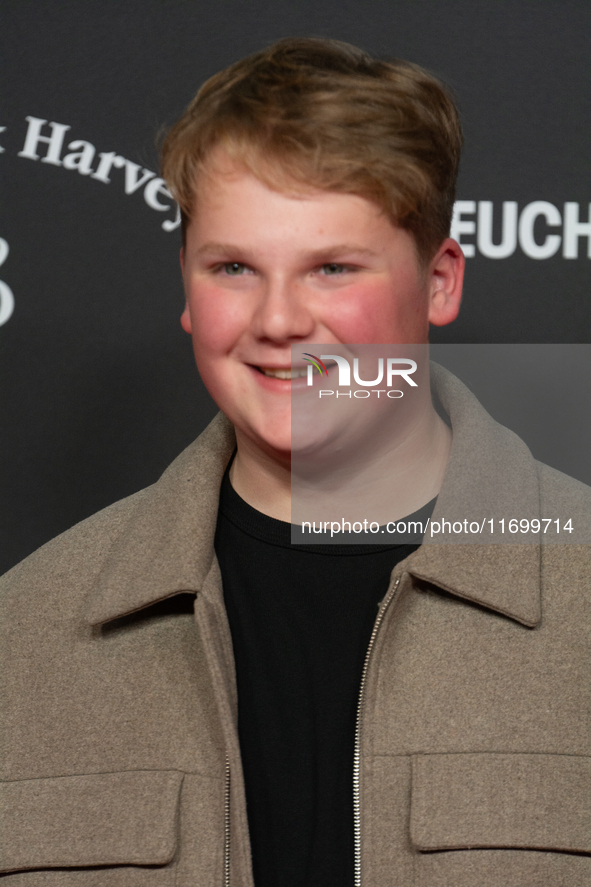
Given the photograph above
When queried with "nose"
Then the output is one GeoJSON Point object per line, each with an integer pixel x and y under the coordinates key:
{"type": "Point", "coordinates": [283, 313]}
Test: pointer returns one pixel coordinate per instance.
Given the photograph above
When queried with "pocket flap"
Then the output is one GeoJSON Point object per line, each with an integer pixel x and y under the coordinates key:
{"type": "Point", "coordinates": [127, 818]}
{"type": "Point", "coordinates": [538, 802]}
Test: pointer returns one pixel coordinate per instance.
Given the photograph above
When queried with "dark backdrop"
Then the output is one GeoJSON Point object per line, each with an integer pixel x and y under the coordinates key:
{"type": "Point", "coordinates": [98, 388]}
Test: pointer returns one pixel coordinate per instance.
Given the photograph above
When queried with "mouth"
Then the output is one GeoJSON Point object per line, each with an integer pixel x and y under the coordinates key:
{"type": "Point", "coordinates": [286, 373]}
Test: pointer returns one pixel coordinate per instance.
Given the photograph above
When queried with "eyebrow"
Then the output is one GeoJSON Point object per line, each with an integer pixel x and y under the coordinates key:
{"type": "Point", "coordinates": [314, 255]}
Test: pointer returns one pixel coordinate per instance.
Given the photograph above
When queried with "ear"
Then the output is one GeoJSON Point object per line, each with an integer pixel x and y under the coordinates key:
{"type": "Point", "coordinates": [186, 315]}
{"type": "Point", "coordinates": [186, 320]}
{"type": "Point", "coordinates": [446, 278]}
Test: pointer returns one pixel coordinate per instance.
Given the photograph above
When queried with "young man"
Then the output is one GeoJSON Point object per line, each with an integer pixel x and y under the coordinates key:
{"type": "Point", "coordinates": [190, 698]}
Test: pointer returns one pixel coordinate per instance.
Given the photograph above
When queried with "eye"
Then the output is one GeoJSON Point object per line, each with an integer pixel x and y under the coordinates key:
{"type": "Point", "coordinates": [233, 269]}
{"type": "Point", "coordinates": [332, 268]}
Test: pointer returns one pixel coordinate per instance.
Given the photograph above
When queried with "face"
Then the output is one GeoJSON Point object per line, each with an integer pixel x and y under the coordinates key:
{"type": "Point", "coordinates": [264, 270]}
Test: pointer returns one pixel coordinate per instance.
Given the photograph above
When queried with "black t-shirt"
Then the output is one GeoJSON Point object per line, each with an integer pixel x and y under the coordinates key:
{"type": "Point", "coordinates": [301, 617]}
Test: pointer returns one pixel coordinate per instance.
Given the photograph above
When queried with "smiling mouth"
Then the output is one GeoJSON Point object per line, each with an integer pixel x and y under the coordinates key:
{"type": "Point", "coordinates": [286, 373]}
{"type": "Point", "coordinates": [289, 373]}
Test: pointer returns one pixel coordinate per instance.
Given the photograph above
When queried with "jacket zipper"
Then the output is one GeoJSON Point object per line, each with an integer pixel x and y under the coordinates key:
{"type": "Point", "coordinates": [227, 824]}
{"type": "Point", "coordinates": [357, 756]}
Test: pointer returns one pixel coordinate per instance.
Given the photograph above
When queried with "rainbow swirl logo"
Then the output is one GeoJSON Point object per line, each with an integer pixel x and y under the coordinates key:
{"type": "Point", "coordinates": [315, 361]}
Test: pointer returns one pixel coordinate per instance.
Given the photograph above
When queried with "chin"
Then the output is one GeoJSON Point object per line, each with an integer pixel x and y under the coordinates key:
{"type": "Point", "coordinates": [274, 439]}
{"type": "Point", "coordinates": [310, 441]}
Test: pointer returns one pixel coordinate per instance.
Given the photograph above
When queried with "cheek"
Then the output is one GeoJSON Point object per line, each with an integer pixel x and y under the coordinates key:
{"type": "Point", "coordinates": [379, 312]}
{"type": "Point", "coordinates": [217, 319]}
{"type": "Point", "coordinates": [215, 330]}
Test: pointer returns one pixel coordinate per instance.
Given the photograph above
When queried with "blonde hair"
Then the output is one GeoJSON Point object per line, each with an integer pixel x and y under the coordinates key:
{"type": "Point", "coordinates": [327, 115]}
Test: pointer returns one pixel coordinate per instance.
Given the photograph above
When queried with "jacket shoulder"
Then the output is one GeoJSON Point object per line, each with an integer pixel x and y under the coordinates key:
{"type": "Point", "coordinates": [560, 491]}
{"type": "Point", "coordinates": [71, 560]}
{"type": "Point", "coordinates": [567, 567]}
{"type": "Point", "coordinates": [59, 574]}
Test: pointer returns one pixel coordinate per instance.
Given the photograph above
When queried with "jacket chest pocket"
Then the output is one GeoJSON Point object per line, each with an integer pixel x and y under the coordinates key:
{"type": "Point", "coordinates": [114, 828]}
{"type": "Point", "coordinates": [525, 818]}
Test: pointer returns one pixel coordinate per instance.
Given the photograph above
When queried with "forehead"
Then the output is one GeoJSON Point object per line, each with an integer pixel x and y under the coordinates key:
{"type": "Point", "coordinates": [224, 166]}
{"type": "Point", "coordinates": [232, 204]}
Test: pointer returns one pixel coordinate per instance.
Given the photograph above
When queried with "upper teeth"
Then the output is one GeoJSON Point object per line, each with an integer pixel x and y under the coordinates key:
{"type": "Point", "coordinates": [292, 373]}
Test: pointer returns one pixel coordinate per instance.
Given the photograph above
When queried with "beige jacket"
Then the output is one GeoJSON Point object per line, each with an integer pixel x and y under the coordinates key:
{"type": "Point", "coordinates": [119, 753]}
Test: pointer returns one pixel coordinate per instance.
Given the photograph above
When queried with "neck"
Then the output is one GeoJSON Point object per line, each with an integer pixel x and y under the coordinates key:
{"type": "Point", "coordinates": [396, 482]}
{"type": "Point", "coordinates": [261, 480]}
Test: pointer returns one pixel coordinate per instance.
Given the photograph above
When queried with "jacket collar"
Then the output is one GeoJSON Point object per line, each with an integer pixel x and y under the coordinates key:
{"type": "Point", "coordinates": [166, 546]}
{"type": "Point", "coordinates": [490, 474]}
